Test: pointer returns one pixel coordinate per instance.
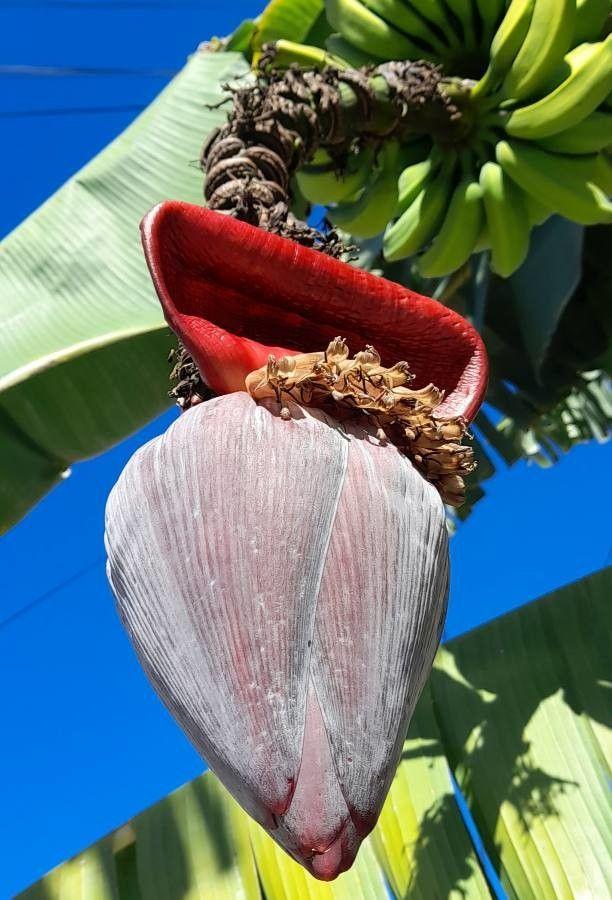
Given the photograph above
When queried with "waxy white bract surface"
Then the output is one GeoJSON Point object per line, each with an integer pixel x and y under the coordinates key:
{"type": "Point", "coordinates": [284, 585]}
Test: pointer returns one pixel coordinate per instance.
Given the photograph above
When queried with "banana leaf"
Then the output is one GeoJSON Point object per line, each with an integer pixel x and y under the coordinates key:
{"type": "Point", "coordinates": [294, 20]}
{"type": "Point", "coordinates": [83, 344]}
{"type": "Point", "coordinates": [517, 709]}
{"type": "Point", "coordinates": [524, 708]}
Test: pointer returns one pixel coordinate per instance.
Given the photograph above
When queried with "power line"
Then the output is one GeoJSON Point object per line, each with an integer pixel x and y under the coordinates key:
{"type": "Point", "coordinates": [102, 4]}
{"type": "Point", "coordinates": [54, 590]}
{"type": "Point", "coordinates": [70, 111]}
{"type": "Point", "coordinates": [80, 71]}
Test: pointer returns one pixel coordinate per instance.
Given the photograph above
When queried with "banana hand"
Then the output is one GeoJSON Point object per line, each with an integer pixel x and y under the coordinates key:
{"type": "Point", "coordinates": [370, 213]}
{"type": "Point", "coordinates": [319, 182]}
{"type": "Point", "coordinates": [589, 136]}
{"type": "Point", "coordinates": [413, 179]}
{"type": "Point", "coordinates": [490, 12]}
{"type": "Point", "coordinates": [507, 220]}
{"type": "Point", "coordinates": [418, 224]}
{"type": "Point", "coordinates": [370, 33]}
{"type": "Point", "coordinates": [566, 184]}
{"type": "Point", "coordinates": [460, 231]}
{"type": "Point", "coordinates": [505, 45]}
{"type": "Point", "coordinates": [591, 16]}
{"type": "Point", "coordinates": [547, 41]}
{"type": "Point", "coordinates": [586, 86]}
{"type": "Point", "coordinates": [403, 17]}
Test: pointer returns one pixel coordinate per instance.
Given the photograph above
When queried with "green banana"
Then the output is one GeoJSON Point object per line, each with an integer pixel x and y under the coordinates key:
{"type": "Point", "coordinates": [368, 32]}
{"type": "Point", "coordinates": [578, 95]}
{"type": "Point", "coordinates": [537, 212]}
{"type": "Point", "coordinates": [418, 224]}
{"type": "Point", "coordinates": [435, 12]}
{"type": "Point", "coordinates": [341, 49]}
{"type": "Point", "coordinates": [413, 179]}
{"type": "Point", "coordinates": [490, 13]}
{"type": "Point", "coordinates": [369, 214]}
{"type": "Point", "coordinates": [460, 230]}
{"type": "Point", "coordinates": [566, 184]}
{"type": "Point", "coordinates": [546, 43]}
{"type": "Point", "coordinates": [507, 219]}
{"type": "Point", "coordinates": [589, 136]}
{"type": "Point", "coordinates": [505, 45]}
{"type": "Point", "coordinates": [464, 12]}
{"type": "Point", "coordinates": [403, 17]}
{"type": "Point", "coordinates": [319, 183]}
{"type": "Point", "coordinates": [602, 177]}
{"type": "Point", "coordinates": [591, 17]}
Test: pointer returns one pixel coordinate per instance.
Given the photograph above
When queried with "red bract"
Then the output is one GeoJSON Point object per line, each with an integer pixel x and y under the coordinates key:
{"type": "Point", "coordinates": [234, 294]}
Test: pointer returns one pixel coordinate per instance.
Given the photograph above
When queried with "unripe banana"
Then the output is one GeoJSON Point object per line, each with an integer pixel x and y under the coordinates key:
{"type": "Point", "coordinates": [373, 210]}
{"type": "Point", "coordinates": [413, 179]}
{"type": "Point", "coordinates": [589, 136]}
{"type": "Point", "coordinates": [591, 18]}
{"type": "Point", "coordinates": [418, 224]}
{"type": "Point", "coordinates": [464, 11]}
{"type": "Point", "coordinates": [369, 33]}
{"type": "Point", "coordinates": [537, 212]}
{"type": "Point", "coordinates": [507, 219]}
{"type": "Point", "coordinates": [490, 12]}
{"type": "Point", "coordinates": [319, 182]}
{"type": "Point", "coordinates": [435, 12]}
{"type": "Point", "coordinates": [567, 184]}
{"type": "Point", "coordinates": [547, 41]}
{"type": "Point", "coordinates": [578, 95]}
{"type": "Point", "coordinates": [505, 45]}
{"type": "Point", "coordinates": [602, 176]}
{"type": "Point", "coordinates": [461, 228]}
{"type": "Point", "coordinates": [404, 18]}
{"type": "Point", "coordinates": [341, 49]}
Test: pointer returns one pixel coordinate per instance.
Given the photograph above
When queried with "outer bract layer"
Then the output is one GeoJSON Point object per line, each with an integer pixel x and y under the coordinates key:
{"type": "Point", "coordinates": [284, 584]}
{"type": "Point", "coordinates": [234, 294]}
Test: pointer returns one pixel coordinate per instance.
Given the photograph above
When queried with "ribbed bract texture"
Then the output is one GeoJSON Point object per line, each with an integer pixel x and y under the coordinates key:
{"type": "Point", "coordinates": [284, 584]}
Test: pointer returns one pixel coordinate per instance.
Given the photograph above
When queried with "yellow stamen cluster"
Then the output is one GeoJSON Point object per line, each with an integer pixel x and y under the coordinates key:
{"type": "Point", "coordinates": [361, 386]}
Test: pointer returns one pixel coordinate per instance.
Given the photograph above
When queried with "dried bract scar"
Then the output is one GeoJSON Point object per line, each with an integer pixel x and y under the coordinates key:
{"type": "Point", "coordinates": [278, 559]}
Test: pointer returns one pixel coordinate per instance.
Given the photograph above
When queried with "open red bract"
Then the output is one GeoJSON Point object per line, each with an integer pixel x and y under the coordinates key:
{"type": "Point", "coordinates": [234, 294]}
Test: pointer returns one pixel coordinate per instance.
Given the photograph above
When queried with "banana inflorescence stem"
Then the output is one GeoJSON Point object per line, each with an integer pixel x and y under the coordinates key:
{"type": "Point", "coordinates": [279, 122]}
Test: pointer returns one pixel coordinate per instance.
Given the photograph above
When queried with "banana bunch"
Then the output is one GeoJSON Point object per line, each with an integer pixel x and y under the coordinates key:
{"type": "Point", "coordinates": [453, 32]}
{"type": "Point", "coordinates": [539, 142]}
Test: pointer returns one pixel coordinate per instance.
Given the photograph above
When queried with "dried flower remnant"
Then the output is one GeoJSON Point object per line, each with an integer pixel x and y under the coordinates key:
{"type": "Point", "coordinates": [362, 387]}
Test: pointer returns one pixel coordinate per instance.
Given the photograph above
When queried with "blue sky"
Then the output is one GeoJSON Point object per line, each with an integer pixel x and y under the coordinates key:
{"type": "Point", "coordinates": [86, 744]}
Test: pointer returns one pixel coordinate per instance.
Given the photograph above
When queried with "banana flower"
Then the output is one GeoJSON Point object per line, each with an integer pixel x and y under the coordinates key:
{"type": "Point", "coordinates": [279, 557]}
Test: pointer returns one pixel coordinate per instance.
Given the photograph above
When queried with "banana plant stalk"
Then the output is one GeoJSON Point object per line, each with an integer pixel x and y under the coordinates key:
{"type": "Point", "coordinates": [279, 563]}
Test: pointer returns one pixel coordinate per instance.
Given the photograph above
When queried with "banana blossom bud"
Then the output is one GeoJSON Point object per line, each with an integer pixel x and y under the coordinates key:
{"type": "Point", "coordinates": [284, 579]}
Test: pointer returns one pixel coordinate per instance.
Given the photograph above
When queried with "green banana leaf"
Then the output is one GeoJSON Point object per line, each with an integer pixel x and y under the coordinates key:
{"type": "Point", "coordinates": [542, 287]}
{"type": "Point", "coordinates": [517, 709]}
{"type": "Point", "coordinates": [83, 345]}
{"type": "Point", "coordinates": [524, 708]}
